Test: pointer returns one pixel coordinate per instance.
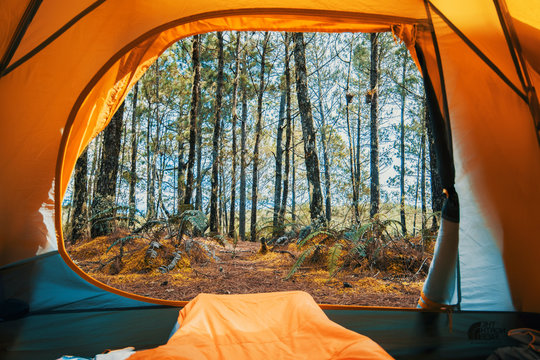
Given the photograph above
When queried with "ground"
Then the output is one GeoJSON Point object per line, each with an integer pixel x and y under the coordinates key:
{"type": "Point", "coordinates": [239, 270]}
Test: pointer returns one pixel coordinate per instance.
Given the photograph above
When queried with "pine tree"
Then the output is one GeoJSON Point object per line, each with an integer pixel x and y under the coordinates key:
{"type": "Point", "coordinates": [193, 118]}
{"type": "Point", "coordinates": [374, 165]}
{"type": "Point", "coordinates": [258, 129]}
{"type": "Point", "coordinates": [214, 226]}
{"type": "Point", "coordinates": [80, 196]}
{"type": "Point", "coordinates": [104, 200]}
{"type": "Point", "coordinates": [308, 131]}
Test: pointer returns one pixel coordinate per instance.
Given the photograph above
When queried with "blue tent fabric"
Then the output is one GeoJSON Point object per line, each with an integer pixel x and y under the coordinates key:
{"type": "Point", "coordinates": [68, 316]}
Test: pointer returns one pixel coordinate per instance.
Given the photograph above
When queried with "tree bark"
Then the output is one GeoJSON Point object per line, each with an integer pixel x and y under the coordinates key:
{"type": "Point", "coordinates": [198, 192]}
{"type": "Point", "coordinates": [181, 170]}
{"type": "Point", "coordinates": [258, 129]}
{"type": "Point", "coordinates": [242, 209]}
{"type": "Point", "coordinates": [193, 118]}
{"type": "Point", "coordinates": [308, 131]}
{"type": "Point", "coordinates": [108, 171]}
{"type": "Point", "coordinates": [328, 200]}
{"type": "Point", "coordinates": [423, 174]}
{"type": "Point", "coordinates": [348, 99]}
{"type": "Point", "coordinates": [233, 135]}
{"type": "Point", "coordinates": [215, 140]}
{"type": "Point", "coordinates": [276, 229]}
{"type": "Point", "coordinates": [374, 166]}
{"type": "Point", "coordinates": [288, 134]}
{"type": "Point", "coordinates": [80, 196]}
{"type": "Point", "coordinates": [134, 148]}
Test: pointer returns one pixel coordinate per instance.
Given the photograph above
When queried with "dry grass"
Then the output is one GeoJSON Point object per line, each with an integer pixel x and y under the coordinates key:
{"type": "Point", "coordinates": [211, 268]}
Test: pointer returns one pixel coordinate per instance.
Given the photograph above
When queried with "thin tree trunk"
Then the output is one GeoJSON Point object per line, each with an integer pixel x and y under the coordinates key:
{"type": "Point", "coordinates": [80, 196]}
{"type": "Point", "coordinates": [215, 140]}
{"type": "Point", "coordinates": [258, 129]}
{"type": "Point", "coordinates": [198, 193]}
{"type": "Point", "coordinates": [374, 168]}
{"type": "Point", "coordinates": [417, 189]}
{"type": "Point", "coordinates": [193, 119]}
{"type": "Point", "coordinates": [134, 148]}
{"type": "Point", "coordinates": [308, 131]}
{"type": "Point", "coordinates": [288, 133]}
{"type": "Point", "coordinates": [98, 150]}
{"type": "Point", "coordinates": [423, 175]}
{"type": "Point", "coordinates": [276, 229]}
{"type": "Point", "coordinates": [402, 148]}
{"type": "Point", "coordinates": [293, 180]}
{"type": "Point", "coordinates": [242, 209]}
{"type": "Point", "coordinates": [233, 135]}
{"type": "Point", "coordinates": [358, 156]}
{"type": "Point", "coordinates": [108, 171]}
{"type": "Point", "coordinates": [152, 150]}
{"type": "Point", "coordinates": [181, 168]}
{"type": "Point", "coordinates": [348, 99]}
{"type": "Point", "coordinates": [328, 200]}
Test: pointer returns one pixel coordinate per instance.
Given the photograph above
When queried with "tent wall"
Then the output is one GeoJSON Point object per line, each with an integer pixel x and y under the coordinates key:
{"type": "Point", "coordinates": [77, 60]}
{"type": "Point", "coordinates": [499, 157]}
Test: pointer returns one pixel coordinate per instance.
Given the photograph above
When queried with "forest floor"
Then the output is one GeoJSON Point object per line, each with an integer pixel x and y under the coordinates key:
{"type": "Point", "coordinates": [242, 269]}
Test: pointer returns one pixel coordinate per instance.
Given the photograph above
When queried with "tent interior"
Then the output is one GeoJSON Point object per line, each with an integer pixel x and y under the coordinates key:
{"type": "Point", "coordinates": [66, 66]}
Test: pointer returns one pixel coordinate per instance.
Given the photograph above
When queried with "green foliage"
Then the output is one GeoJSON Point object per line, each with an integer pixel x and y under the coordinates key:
{"type": "Point", "coordinates": [347, 246]}
{"type": "Point", "coordinates": [121, 241]}
{"type": "Point", "coordinates": [196, 219]}
{"type": "Point", "coordinates": [303, 256]}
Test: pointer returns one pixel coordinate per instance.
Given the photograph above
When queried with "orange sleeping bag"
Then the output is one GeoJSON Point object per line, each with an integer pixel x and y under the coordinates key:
{"type": "Point", "coordinates": [284, 325]}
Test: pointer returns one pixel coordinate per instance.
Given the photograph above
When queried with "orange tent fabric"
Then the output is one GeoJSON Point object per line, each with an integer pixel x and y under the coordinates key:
{"type": "Point", "coordinates": [286, 325]}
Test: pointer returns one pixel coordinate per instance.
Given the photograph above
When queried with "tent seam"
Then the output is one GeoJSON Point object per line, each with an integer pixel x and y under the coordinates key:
{"type": "Point", "coordinates": [18, 35]}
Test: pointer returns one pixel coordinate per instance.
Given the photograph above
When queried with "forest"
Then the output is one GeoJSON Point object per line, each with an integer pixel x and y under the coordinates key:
{"type": "Point", "coordinates": [263, 161]}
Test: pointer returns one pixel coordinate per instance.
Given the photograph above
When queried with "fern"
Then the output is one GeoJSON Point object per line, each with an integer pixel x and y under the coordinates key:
{"type": "Point", "coordinates": [303, 256]}
{"type": "Point", "coordinates": [120, 241]}
{"type": "Point", "coordinates": [312, 235]}
{"type": "Point", "coordinates": [333, 257]}
{"type": "Point", "coordinates": [196, 219]}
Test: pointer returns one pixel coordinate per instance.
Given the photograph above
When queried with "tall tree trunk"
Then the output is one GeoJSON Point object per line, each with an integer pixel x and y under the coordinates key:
{"type": "Point", "coordinates": [215, 140]}
{"type": "Point", "coordinates": [242, 209]}
{"type": "Point", "coordinates": [276, 229]}
{"type": "Point", "coordinates": [437, 196]}
{"type": "Point", "coordinates": [193, 114]}
{"type": "Point", "coordinates": [423, 174]}
{"type": "Point", "coordinates": [417, 189]}
{"type": "Point", "coordinates": [402, 148]}
{"type": "Point", "coordinates": [108, 171]}
{"type": "Point", "coordinates": [233, 135]}
{"type": "Point", "coordinates": [293, 175]}
{"type": "Point", "coordinates": [358, 157]}
{"type": "Point", "coordinates": [258, 129]}
{"type": "Point", "coordinates": [374, 167]}
{"type": "Point", "coordinates": [198, 192]}
{"type": "Point", "coordinates": [288, 133]}
{"type": "Point", "coordinates": [80, 196]}
{"type": "Point", "coordinates": [152, 146]}
{"type": "Point", "coordinates": [134, 148]}
{"type": "Point", "coordinates": [308, 131]}
{"type": "Point", "coordinates": [328, 200]}
{"type": "Point", "coordinates": [92, 183]}
{"type": "Point", "coordinates": [348, 100]}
